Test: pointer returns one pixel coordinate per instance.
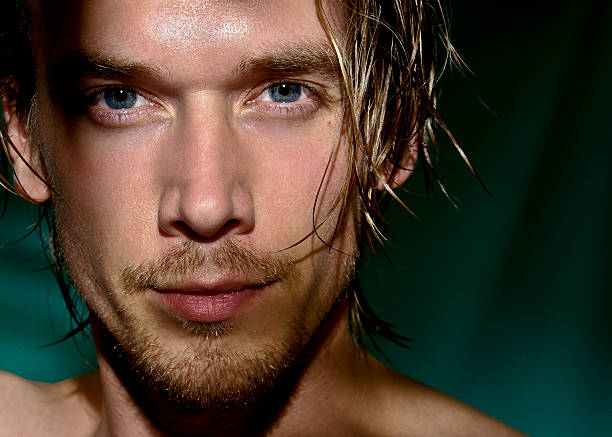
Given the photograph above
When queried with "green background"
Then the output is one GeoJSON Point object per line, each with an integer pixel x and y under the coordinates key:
{"type": "Point", "coordinates": [507, 300]}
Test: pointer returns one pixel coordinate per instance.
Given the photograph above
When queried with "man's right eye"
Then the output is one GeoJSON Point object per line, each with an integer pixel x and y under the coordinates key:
{"type": "Point", "coordinates": [118, 99]}
{"type": "Point", "coordinates": [115, 106]}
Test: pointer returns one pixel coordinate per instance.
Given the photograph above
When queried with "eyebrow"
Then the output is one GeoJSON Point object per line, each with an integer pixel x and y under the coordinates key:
{"type": "Point", "coordinates": [292, 60]}
{"type": "Point", "coordinates": [74, 65]}
{"type": "Point", "coordinates": [308, 58]}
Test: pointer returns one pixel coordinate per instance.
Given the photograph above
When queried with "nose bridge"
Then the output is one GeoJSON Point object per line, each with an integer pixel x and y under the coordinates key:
{"type": "Point", "coordinates": [205, 143]}
{"type": "Point", "coordinates": [205, 191]}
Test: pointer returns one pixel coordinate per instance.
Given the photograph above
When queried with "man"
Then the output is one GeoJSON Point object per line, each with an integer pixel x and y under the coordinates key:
{"type": "Point", "coordinates": [209, 168]}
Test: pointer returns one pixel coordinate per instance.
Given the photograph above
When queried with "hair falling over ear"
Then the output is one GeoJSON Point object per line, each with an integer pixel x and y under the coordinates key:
{"type": "Point", "coordinates": [391, 59]}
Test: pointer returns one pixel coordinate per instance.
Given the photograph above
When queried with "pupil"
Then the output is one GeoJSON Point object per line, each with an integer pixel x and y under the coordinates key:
{"type": "Point", "coordinates": [285, 89]}
{"type": "Point", "coordinates": [120, 95]}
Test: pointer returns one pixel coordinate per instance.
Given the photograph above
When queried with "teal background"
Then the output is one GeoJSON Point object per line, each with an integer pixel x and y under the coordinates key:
{"type": "Point", "coordinates": [508, 299]}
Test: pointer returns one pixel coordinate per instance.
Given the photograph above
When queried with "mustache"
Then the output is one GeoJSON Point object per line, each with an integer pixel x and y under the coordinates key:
{"type": "Point", "coordinates": [191, 260]}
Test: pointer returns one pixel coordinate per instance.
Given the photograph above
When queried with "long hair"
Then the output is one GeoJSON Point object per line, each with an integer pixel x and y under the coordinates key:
{"type": "Point", "coordinates": [391, 58]}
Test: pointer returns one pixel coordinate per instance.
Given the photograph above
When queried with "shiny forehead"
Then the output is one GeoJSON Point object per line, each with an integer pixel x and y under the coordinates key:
{"type": "Point", "coordinates": [163, 32]}
{"type": "Point", "coordinates": [182, 22]}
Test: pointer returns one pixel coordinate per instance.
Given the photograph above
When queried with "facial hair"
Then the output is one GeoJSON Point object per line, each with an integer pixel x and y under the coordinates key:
{"type": "Point", "coordinates": [205, 376]}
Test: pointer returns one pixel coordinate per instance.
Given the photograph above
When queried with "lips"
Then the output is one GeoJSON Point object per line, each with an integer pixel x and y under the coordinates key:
{"type": "Point", "coordinates": [207, 303]}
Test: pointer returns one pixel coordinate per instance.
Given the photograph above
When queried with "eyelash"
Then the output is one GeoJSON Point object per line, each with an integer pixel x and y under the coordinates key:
{"type": "Point", "coordinates": [118, 117]}
{"type": "Point", "coordinates": [291, 109]}
{"type": "Point", "coordinates": [125, 117]}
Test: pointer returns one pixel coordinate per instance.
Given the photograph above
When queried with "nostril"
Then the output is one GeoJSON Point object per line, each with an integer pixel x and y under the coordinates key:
{"type": "Point", "coordinates": [206, 210]}
{"type": "Point", "coordinates": [184, 228]}
{"type": "Point", "coordinates": [231, 224]}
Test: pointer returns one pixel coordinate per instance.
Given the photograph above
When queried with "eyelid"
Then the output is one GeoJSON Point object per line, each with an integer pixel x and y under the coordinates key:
{"type": "Point", "coordinates": [99, 98]}
{"type": "Point", "coordinates": [313, 89]}
{"type": "Point", "coordinates": [98, 93]}
{"type": "Point", "coordinates": [257, 110]}
{"type": "Point", "coordinates": [111, 117]}
{"type": "Point", "coordinates": [316, 96]}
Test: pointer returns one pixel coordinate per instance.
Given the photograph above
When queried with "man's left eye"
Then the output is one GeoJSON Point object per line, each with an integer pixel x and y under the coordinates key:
{"type": "Point", "coordinates": [284, 93]}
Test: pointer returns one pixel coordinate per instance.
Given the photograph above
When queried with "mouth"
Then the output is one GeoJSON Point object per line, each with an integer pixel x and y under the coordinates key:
{"type": "Point", "coordinates": [207, 303]}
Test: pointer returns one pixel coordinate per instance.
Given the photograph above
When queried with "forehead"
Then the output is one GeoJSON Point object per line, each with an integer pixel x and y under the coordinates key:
{"type": "Point", "coordinates": [170, 31]}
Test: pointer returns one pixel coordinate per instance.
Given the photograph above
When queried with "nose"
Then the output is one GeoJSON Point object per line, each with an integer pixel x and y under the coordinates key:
{"type": "Point", "coordinates": [205, 193]}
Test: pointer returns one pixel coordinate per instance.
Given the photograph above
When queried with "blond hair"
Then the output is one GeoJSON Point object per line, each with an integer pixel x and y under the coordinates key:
{"type": "Point", "coordinates": [391, 58]}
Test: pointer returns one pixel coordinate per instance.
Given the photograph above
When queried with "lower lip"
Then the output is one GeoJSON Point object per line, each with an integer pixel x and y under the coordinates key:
{"type": "Point", "coordinates": [206, 308]}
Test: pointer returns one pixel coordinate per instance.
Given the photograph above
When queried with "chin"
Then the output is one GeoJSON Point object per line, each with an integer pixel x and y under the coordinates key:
{"type": "Point", "coordinates": [198, 367]}
{"type": "Point", "coordinates": [204, 375]}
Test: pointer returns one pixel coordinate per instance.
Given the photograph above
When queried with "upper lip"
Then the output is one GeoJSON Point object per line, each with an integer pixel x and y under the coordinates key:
{"type": "Point", "coordinates": [210, 287]}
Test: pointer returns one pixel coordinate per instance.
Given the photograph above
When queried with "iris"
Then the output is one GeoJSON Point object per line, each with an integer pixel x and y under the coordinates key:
{"type": "Point", "coordinates": [285, 92]}
{"type": "Point", "coordinates": [120, 98]}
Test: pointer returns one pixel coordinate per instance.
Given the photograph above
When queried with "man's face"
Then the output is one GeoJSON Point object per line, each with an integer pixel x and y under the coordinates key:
{"type": "Point", "coordinates": [187, 165]}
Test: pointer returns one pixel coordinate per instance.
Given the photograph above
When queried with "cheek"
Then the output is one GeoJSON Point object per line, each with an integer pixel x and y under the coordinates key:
{"type": "Point", "coordinates": [298, 170]}
{"type": "Point", "coordinates": [105, 196]}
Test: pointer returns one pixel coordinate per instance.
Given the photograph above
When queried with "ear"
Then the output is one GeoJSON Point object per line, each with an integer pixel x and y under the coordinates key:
{"type": "Point", "coordinates": [29, 173]}
{"type": "Point", "coordinates": [398, 166]}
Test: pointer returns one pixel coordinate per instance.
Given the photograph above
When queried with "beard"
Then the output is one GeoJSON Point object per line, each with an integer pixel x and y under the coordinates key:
{"type": "Point", "coordinates": [206, 375]}
{"type": "Point", "coordinates": [203, 377]}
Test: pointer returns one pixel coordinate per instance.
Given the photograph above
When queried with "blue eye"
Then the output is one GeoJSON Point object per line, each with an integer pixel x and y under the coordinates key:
{"type": "Point", "coordinates": [119, 98]}
{"type": "Point", "coordinates": [285, 92]}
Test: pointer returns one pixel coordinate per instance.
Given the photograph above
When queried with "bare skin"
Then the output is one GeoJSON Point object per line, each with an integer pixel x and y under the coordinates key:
{"type": "Point", "coordinates": [342, 392]}
{"type": "Point", "coordinates": [201, 131]}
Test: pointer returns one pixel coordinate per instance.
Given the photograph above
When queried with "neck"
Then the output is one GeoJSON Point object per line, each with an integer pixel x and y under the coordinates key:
{"type": "Point", "coordinates": [321, 376]}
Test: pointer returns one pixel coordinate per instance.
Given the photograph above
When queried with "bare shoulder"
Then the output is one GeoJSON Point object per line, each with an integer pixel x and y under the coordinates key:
{"type": "Point", "coordinates": [395, 405]}
{"type": "Point", "coordinates": [29, 408]}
